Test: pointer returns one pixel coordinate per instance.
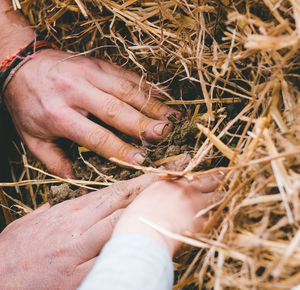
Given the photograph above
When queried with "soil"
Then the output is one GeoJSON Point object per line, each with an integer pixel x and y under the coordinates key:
{"type": "Point", "coordinates": [63, 192]}
{"type": "Point", "coordinates": [184, 139]}
{"type": "Point", "coordinates": [181, 140]}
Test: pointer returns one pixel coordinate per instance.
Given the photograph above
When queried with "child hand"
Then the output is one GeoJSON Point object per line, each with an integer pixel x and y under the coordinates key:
{"type": "Point", "coordinates": [171, 205]}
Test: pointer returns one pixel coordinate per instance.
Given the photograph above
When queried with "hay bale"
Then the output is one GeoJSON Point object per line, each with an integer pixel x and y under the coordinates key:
{"type": "Point", "coordinates": [210, 53]}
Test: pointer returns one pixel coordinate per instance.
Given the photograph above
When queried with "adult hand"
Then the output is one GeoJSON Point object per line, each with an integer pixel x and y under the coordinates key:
{"type": "Point", "coordinates": [171, 205]}
{"type": "Point", "coordinates": [54, 248]}
{"type": "Point", "coordinates": [52, 95]}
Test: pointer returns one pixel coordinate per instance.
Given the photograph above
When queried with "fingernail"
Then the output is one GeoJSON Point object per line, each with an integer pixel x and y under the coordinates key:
{"type": "Point", "coordinates": [160, 128]}
{"type": "Point", "coordinates": [178, 115]}
{"type": "Point", "coordinates": [139, 158]}
{"type": "Point", "coordinates": [173, 117]}
{"type": "Point", "coordinates": [218, 196]}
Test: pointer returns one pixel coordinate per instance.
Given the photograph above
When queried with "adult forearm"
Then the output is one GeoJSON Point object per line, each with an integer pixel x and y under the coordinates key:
{"type": "Point", "coordinates": [15, 32]}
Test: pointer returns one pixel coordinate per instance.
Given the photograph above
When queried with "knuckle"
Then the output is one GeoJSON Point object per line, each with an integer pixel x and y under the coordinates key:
{"type": "Point", "coordinates": [123, 192]}
{"type": "Point", "coordinates": [125, 151]}
{"type": "Point", "coordinates": [155, 106]}
{"type": "Point", "coordinates": [101, 64]}
{"type": "Point", "coordinates": [143, 124]}
{"type": "Point", "coordinates": [180, 190]}
{"type": "Point", "coordinates": [62, 82]}
{"type": "Point", "coordinates": [80, 62]}
{"type": "Point", "coordinates": [68, 272]}
{"type": "Point", "coordinates": [58, 115]}
{"type": "Point", "coordinates": [57, 253]}
{"type": "Point", "coordinates": [87, 66]}
{"type": "Point", "coordinates": [51, 112]}
{"type": "Point", "coordinates": [114, 218]}
{"type": "Point", "coordinates": [117, 188]}
{"type": "Point", "coordinates": [98, 139]}
{"type": "Point", "coordinates": [113, 107]}
{"type": "Point", "coordinates": [77, 248]}
{"type": "Point", "coordinates": [128, 88]}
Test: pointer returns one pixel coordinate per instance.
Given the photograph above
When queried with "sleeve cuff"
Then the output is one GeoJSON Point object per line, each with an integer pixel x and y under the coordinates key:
{"type": "Point", "coordinates": [132, 262]}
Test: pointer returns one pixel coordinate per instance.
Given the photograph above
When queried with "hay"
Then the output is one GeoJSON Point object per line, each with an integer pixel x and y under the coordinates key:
{"type": "Point", "coordinates": [208, 53]}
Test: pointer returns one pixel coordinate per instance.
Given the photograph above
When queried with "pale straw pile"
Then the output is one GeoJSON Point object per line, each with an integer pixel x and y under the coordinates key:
{"type": "Point", "coordinates": [242, 52]}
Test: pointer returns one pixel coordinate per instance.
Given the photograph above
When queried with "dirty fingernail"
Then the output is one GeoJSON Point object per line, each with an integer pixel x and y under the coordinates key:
{"type": "Point", "coordinates": [139, 158]}
{"type": "Point", "coordinates": [175, 116]}
{"type": "Point", "coordinates": [160, 129]}
{"type": "Point", "coordinates": [178, 115]}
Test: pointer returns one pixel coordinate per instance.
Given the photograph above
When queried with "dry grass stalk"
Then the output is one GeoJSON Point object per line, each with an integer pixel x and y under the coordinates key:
{"type": "Point", "coordinates": [244, 51]}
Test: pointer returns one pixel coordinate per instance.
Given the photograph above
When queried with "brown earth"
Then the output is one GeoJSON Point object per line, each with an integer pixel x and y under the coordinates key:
{"type": "Point", "coordinates": [181, 144]}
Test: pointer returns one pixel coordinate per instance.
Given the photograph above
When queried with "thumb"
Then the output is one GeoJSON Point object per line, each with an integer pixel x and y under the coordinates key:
{"type": "Point", "coordinates": [100, 204]}
{"type": "Point", "coordinates": [50, 155]}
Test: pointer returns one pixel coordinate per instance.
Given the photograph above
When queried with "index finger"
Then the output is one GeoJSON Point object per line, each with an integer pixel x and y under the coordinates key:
{"type": "Point", "coordinates": [133, 94]}
{"type": "Point", "coordinates": [112, 69]}
{"type": "Point", "coordinates": [204, 183]}
{"type": "Point", "coordinates": [100, 204]}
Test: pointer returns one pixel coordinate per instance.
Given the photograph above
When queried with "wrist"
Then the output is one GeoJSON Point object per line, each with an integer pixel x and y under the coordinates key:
{"type": "Point", "coordinates": [133, 225]}
{"type": "Point", "coordinates": [12, 63]}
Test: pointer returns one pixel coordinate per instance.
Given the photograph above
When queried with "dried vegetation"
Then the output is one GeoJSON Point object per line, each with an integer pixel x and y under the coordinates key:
{"type": "Point", "coordinates": [214, 55]}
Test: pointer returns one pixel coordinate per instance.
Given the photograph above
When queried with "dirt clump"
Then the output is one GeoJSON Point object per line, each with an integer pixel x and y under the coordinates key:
{"type": "Point", "coordinates": [182, 140]}
{"type": "Point", "coordinates": [59, 193]}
